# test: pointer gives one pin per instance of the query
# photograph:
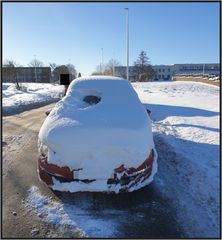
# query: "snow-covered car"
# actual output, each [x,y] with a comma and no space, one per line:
[97,138]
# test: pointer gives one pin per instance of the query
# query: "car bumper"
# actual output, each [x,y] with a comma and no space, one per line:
[124,179]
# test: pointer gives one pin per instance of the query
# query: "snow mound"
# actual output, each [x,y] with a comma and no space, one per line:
[31,95]
[98,137]
[186,132]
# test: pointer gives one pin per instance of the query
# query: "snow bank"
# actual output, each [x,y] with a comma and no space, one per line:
[216,79]
[186,133]
[31,95]
[98,138]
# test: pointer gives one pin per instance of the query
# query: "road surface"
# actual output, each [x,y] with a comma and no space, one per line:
[142,214]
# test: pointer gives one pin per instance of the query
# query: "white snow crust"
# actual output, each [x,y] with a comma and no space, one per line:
[68,217]
[185,121]
[31,95]
[186,133]
[98,138]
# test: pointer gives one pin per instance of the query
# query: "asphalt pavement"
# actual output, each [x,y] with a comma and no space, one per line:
[145,213]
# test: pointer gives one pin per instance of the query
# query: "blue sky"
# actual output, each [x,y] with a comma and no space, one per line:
[76,32]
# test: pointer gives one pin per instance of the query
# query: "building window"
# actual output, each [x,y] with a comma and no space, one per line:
[159,70]
[162,76]
[168,69]
[163,70]
[159,76]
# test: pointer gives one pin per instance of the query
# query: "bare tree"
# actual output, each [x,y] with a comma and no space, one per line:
[9,72]
[62,69]
[52,66]
[72,71]
[143,67]
[36,63]
[97,71]
[110,67]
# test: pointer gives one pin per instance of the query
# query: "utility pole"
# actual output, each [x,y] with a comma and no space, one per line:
[70,74]
[113,64]
[102,62]
[127,43]
[35,70]
[113,69]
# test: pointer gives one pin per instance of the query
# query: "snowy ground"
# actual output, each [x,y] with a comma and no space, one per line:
[186,133]
[69,216]
[31,95]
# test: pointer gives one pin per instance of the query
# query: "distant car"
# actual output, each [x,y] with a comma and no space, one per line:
[97,138]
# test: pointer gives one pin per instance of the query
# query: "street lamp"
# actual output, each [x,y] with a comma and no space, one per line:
[35,70]
[102,62]
[113,68]
[203,68]
[127,43]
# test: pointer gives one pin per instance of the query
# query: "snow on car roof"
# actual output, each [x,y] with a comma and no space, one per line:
[118,107]
[99,77]
[119,104]
[105,83]
[94,79]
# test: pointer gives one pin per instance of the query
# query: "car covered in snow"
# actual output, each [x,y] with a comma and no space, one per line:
[97,138]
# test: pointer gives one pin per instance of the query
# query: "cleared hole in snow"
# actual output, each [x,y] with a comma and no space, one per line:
[91,99]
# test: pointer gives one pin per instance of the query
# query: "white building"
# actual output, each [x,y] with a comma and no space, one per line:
[206,68]
[165,72]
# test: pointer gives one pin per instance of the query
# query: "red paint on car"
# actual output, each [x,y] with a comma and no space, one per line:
[147,163]
[47,170]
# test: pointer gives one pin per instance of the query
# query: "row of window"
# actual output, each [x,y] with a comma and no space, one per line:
[164,77]
[31,76]
[163,70]
[199,67]
[29,71]
[198,70]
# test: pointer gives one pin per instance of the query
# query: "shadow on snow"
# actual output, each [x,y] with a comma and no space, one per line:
[160,112]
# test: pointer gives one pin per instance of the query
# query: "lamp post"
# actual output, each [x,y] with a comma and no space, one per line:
[127,43]
[102,62]
[35,70]
[113,69]
[113,64]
